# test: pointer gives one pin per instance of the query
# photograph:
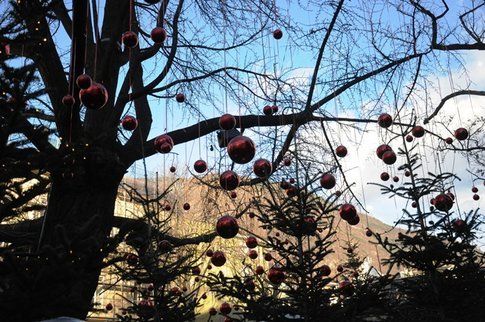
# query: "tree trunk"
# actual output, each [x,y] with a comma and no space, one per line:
[59,276]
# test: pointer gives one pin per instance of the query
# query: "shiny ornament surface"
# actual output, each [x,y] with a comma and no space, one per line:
[129,39]
[327,181]
[163,144]
[158,35]
[384,120]
[94,97]
[229,180]
[227,227]
[129,123]
[262,168]
[227,122]
[200,166]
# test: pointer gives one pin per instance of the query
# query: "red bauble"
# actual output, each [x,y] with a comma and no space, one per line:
[163,144]
[83,81]
[347,211]
[94,97]
[407,173]
[158,35]
[476,197]
[252,215]
[109,307]
[451,195]
[409,138]
[251,242]
[395,179]
[241,149]
[354,220]
[218,259]
[275,109]
[418,131]
[180,98]
[212,311]
[262,168]
[389,157]
[268,110]
[277,34]
[186,206]
[287,162]
[384,120]
[129,123]
[200,166]
[225,308]
[131,259]
[276,275]
[227,227]
[474,189]
[68,100]
[167,207]
[449,141]
[327,181]
[229,180]
[196,270]
[381,149]
[233,195]
[248,284]
[292,191]
[227,122]
[129,39]
[443,202]
[253,254]
[309,225]
[341,151]
[459,225]
[368,232]
[259,270]
[292,180]
[209,253]
[173,169]
[268,257]
[461,134]
[325,269]
[385,176]
[340,268]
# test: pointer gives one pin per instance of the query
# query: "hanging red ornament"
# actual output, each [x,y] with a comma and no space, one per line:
[252,215]
[476,197]
[407,173]
[381,149]
[284,184]
[158,35]
[251,242]
[325,269]
[395,179]
[212,311]
[347,211]
[252,254]
[180,98]
[340,268]
[461,134]
[227,227]
[241,149]
[109,307]
[309,225]
[385,176]
[227,122]
[474,189]
[292,180]
[129,123]
[341,151]
[83,81]
[451,195]
[268,110]
[200,166]
[384,120]
[268,257]
[354,220]
[327,181]
[443,202]
[275,109]
[94,97]
[418,131]
[292,191]
[225,308]
[276,275]
[233,194]
[368,232]
[262,168]
[218,258]
[68,100]
[287,161]
[414,204]
[449,141]
[129,39]
[259,270]
[163,144]
[229,180]
[389,157]
[173,169]
[409,138]
[459,225]
[248,284]
[277,34]
[209,253]
[186,206]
